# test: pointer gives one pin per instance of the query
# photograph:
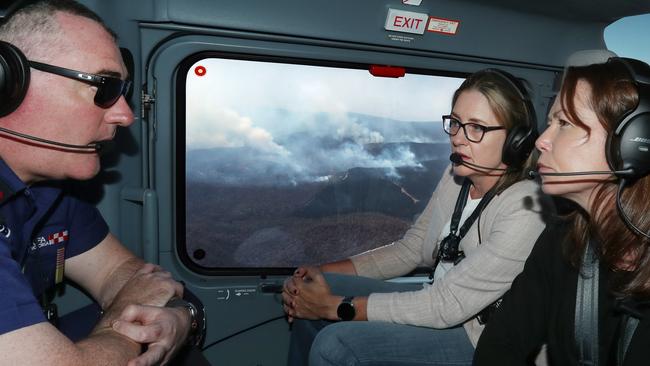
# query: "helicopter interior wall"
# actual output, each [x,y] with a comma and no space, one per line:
[492,32]
[139,177]
[261,306]
[479,43]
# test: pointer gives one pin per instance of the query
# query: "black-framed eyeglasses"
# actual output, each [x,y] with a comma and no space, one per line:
[473,131]
[109,89]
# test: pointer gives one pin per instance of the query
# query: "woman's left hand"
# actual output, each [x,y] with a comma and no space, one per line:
[307,295]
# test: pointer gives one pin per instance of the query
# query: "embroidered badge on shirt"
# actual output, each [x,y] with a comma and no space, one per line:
[60,265]
[57,238]
[54,239]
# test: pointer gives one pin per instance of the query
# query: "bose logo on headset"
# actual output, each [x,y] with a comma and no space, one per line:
[628,147]
[640,139]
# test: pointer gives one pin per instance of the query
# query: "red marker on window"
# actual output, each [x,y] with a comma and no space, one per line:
[200,71]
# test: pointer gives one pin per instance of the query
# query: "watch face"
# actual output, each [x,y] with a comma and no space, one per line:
[345,311]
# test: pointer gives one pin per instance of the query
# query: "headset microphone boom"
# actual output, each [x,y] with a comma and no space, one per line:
[100,147]
[457,159]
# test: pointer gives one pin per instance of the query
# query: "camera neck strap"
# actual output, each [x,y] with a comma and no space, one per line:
[461,201]
[477,211]
[456,234]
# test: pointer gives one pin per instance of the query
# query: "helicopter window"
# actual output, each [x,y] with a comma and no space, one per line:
[287,163]
[624,37]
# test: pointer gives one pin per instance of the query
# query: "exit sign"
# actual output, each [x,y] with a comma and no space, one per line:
[406,21]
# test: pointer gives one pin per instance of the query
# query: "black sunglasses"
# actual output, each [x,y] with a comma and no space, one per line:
[109,89]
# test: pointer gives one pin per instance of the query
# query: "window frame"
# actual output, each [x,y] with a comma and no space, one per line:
[179,185]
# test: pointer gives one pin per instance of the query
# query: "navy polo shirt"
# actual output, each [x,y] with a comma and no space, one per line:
[40,227]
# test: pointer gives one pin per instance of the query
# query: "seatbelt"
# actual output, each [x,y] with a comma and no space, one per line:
[586,311]
[629,324]
[586,315]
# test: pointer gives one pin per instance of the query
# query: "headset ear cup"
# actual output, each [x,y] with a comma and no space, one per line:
[518,145]
[628,145]
[14,78]
[612,151]
[520,141]
[628,149]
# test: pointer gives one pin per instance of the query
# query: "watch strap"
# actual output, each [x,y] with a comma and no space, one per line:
[197,320]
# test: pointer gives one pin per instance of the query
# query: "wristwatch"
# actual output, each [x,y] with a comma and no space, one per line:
[346,311]
[197,320]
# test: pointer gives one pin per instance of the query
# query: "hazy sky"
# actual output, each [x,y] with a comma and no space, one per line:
[256,101]
[310,88]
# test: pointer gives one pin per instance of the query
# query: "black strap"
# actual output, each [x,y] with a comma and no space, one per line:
[461,201]
[475,214]
[629,324]
[586,314]
[586,311]
[448,249]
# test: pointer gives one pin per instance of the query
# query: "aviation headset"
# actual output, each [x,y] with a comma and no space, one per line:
[628,146]
[520,140]
[14,78]
[14,68]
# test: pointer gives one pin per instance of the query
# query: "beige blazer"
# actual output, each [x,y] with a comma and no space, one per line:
[509,226]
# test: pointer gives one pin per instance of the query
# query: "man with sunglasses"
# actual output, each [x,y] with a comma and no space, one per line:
[67,101]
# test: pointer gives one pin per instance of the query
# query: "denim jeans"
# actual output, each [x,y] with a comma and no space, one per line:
[375,343]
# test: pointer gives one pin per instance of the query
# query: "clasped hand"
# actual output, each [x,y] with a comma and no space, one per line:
[138,312]
[307,295]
